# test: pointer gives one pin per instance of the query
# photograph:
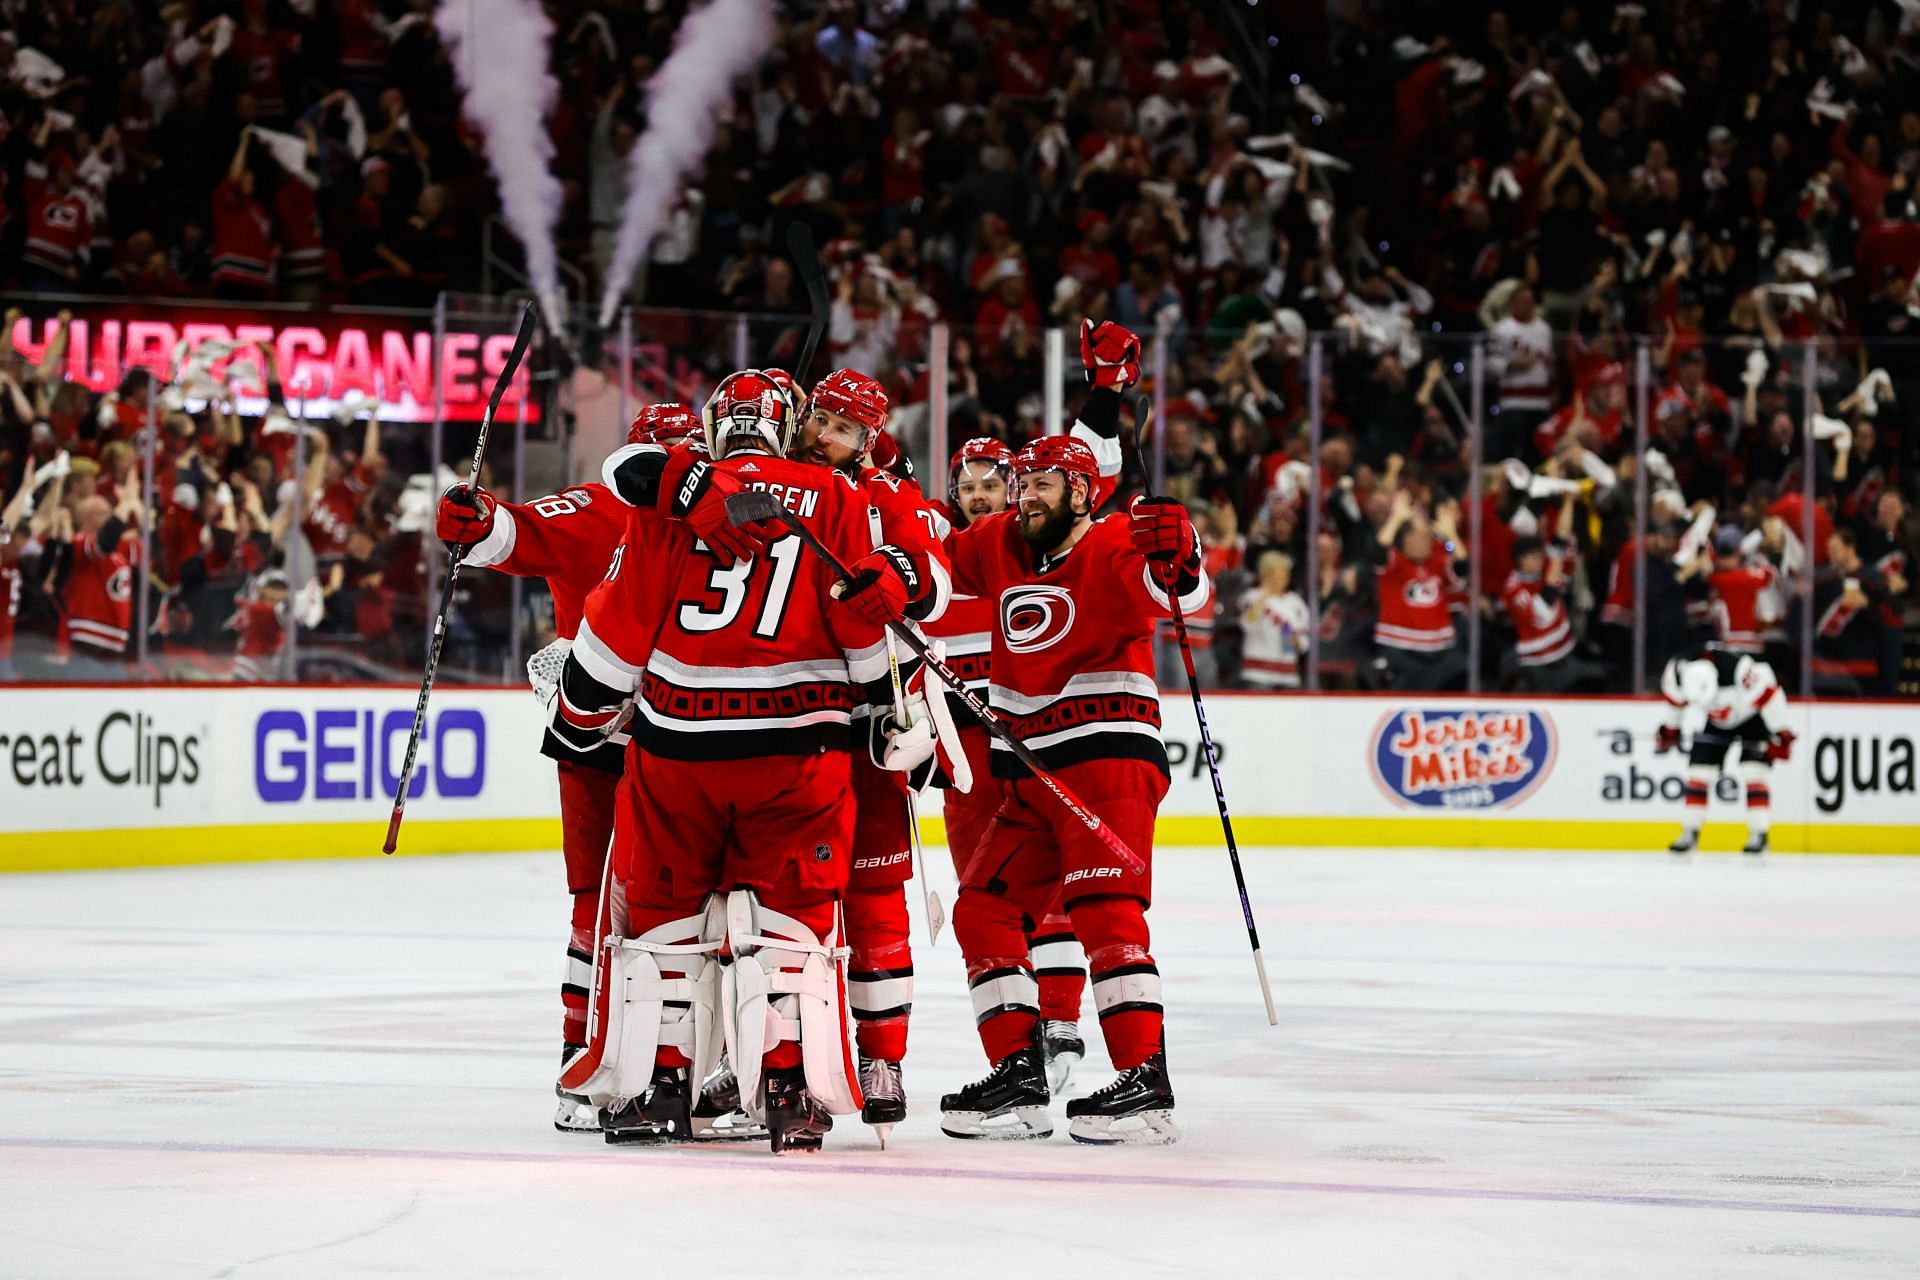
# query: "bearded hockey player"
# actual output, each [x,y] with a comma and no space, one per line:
[1718,700]
[567,538]
[732,833]
[1072,672]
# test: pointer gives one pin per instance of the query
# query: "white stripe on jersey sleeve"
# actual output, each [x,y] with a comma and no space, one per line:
[1106,449]
[1190,603]
[618,456]
[601,662]
[497,545]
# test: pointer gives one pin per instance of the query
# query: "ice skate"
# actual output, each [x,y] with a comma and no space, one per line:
[1016,1090]
[717,1114]
[886,1097]
[1684,843]
[1060,1041]
[659,1115]
[575,1114]
[1107,1116]
[1756,844]
[795,1119]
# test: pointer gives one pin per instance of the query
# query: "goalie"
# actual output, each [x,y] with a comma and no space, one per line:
[1719,700]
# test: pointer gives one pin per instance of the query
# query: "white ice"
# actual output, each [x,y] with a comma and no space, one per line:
[1488,1065]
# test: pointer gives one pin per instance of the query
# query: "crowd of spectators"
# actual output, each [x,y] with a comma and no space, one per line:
[1557,198]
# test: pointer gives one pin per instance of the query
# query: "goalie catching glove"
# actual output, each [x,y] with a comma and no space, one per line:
[927,748]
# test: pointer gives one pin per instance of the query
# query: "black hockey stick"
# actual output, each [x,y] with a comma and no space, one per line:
[454,559]
[806,260]
[753,507]
[1213,765]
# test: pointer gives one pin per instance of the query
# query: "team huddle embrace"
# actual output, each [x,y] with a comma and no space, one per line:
[774,646]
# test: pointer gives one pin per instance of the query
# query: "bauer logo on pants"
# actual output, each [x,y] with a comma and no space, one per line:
[1461,758]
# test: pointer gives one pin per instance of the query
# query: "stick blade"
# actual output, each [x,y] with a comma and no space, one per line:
[751,507]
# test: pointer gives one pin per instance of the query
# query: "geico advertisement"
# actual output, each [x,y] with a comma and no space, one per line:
[100,758]
[1450,759]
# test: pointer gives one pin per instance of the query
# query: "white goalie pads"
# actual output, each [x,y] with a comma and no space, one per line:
[786,984]
[930,732]
[544,667]
[636,1008]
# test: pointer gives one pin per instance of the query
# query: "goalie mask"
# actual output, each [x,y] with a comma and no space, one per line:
[749,403]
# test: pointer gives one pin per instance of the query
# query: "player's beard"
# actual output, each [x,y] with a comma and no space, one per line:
[1048,528]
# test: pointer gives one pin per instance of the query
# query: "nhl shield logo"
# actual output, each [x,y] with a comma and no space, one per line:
[1461,757]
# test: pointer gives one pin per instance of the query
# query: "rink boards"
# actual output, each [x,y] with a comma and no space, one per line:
[127,776]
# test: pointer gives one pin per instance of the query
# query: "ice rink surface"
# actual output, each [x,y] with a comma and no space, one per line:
[1488,1065]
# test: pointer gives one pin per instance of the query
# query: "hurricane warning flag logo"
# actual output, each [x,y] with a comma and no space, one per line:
[1033,618]
[1471,758]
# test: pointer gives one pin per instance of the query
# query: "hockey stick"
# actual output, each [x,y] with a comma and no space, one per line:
[930,900]
[754,506]
[806,260]
[454,559]
[1213,768]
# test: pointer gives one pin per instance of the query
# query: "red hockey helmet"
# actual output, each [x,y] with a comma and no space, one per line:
[667,424]
[994,453]
[853,395]
[1064,454]
[749,402]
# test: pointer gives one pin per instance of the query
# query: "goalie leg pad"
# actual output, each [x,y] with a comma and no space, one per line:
[787,985]
[656,996]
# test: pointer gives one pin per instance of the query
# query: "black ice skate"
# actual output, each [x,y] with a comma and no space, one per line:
[717,1114]
[795,1119]
[1142,1094]
[1756,843]
[1685,842]
[886,1097]
[1017,1088]
[575,1114]
[661,1114]
[1060,1041]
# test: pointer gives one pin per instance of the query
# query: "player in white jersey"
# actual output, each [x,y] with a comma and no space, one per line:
[1717,699]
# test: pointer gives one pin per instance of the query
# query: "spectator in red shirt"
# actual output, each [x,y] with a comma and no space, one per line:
[1417,586]
[242,234]
[59,230]
[1089,260]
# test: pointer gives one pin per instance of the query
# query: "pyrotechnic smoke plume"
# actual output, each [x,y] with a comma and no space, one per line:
[499,53]
[714,46]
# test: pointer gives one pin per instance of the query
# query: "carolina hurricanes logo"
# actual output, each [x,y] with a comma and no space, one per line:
[1422,592]
[120,585]
[61,215]
[1035,618]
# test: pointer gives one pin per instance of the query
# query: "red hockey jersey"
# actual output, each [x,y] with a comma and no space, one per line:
[568,538]
[331,519]
[1416,610]
[1736,606]
[1539,614]
[100,593]
[1072,664]
[9,605]
[740,662]
[59,229]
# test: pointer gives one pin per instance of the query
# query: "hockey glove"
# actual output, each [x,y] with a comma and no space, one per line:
[886,456]
[465,516]
[1111,354]
[693,490]
[1781,748]
[1666,738]
[1163,533]
[929,751]
[883,581]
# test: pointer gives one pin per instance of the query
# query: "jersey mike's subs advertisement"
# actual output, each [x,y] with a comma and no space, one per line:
[104,776]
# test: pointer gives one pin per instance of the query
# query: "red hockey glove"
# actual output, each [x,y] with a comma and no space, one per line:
[692,489]
[465,516]
[1163,532]
[1665,739]
[883,581]
[1781,748]
[1111,354]
[886,456]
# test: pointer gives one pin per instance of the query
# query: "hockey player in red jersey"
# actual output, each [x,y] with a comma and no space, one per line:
[1072,672]
[845,418]
[567,538]
[742,668]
